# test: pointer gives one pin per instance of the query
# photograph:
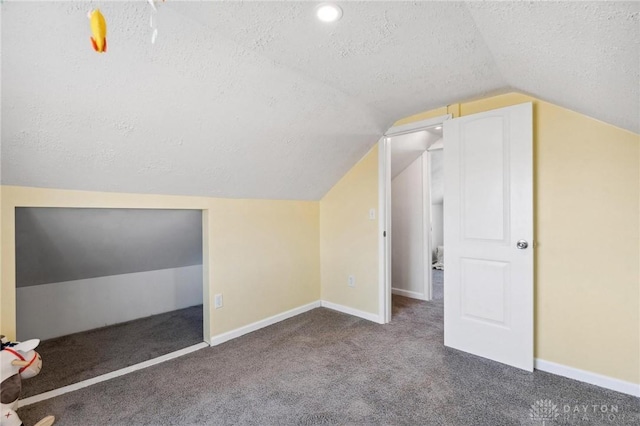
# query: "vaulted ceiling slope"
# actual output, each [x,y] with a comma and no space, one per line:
[261,100]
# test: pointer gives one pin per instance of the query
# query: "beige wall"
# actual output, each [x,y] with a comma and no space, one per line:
[265,258]
[262,255]
[349,239]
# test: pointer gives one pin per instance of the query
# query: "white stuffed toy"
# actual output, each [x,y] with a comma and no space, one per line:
[17,361]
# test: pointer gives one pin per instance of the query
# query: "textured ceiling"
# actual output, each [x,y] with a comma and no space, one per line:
[260,100]
[581,55]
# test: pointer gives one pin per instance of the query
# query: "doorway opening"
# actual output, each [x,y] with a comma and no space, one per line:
[488,294]
[105,289]
[416,215]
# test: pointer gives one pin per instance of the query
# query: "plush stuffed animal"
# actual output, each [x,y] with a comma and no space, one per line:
[18,360]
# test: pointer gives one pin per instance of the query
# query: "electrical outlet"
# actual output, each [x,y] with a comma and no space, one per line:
[217,303]
[352,281]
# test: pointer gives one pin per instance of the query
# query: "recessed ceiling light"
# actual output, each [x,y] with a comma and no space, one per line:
[328,12]
[439,127]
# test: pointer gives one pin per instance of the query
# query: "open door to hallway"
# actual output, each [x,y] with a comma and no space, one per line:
[488,221]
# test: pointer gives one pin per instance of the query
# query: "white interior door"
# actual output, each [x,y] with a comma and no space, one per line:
[488,221]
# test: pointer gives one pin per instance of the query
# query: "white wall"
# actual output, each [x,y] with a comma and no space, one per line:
[407,216]
[437,226]
[436,181]
[406,148]
[57,309]
[436,174]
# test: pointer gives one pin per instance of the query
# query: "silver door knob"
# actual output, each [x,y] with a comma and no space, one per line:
[522,244]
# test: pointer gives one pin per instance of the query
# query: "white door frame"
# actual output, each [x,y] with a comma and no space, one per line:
[384,210]
[427,218]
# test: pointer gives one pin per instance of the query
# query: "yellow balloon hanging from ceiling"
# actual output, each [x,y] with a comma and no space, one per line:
[98,30]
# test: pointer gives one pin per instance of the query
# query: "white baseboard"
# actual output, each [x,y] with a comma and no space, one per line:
[407,293]
[224,337]
[229,335]
[108,376]
[588,377]
[351,311]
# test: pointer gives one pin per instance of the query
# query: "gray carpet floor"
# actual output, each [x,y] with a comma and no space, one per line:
[80,356]
[325,367]
[437,284]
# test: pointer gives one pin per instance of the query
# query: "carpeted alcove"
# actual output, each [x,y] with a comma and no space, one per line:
[104,289]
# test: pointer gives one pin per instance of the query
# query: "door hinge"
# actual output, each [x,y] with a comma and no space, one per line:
[384,233]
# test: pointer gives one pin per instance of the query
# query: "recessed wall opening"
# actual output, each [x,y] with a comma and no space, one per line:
[106,288]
